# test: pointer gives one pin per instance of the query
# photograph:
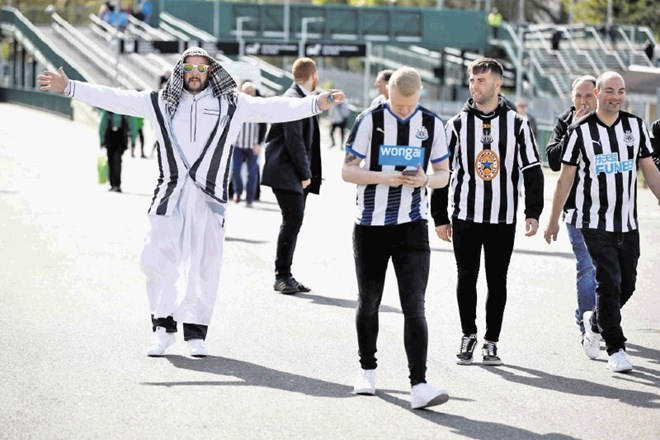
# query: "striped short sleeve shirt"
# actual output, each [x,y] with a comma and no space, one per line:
[386,143]
[488,154]
[606,178]
[248,136]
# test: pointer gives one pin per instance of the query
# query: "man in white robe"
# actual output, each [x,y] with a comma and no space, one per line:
[196,117]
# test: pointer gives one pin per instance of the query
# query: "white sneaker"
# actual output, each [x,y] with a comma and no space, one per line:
[424,395]
[365,383]
[161,341]
[619,362]
[197,348]
[591,340]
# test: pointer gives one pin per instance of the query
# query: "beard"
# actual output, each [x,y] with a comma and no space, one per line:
[195,84]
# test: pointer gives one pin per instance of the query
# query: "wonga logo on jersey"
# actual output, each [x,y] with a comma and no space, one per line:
[400,155]
[610,164]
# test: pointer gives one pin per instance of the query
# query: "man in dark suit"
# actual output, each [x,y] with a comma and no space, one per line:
[293,170]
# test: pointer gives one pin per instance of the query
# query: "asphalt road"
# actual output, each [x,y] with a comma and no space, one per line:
[74,323]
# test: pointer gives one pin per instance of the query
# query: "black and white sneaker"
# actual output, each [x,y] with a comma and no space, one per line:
[467,349]
[489,352]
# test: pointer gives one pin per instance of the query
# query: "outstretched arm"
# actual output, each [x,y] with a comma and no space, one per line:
[125,102]
[284,109]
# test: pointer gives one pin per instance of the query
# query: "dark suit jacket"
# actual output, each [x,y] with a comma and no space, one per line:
[655,142]
[293,152]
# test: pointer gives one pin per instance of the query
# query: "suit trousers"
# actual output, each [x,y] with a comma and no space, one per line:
[292,205]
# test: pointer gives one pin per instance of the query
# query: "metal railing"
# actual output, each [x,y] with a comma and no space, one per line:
[15,22]
[97,57]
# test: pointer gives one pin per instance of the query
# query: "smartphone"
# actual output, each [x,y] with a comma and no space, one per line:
[410,172]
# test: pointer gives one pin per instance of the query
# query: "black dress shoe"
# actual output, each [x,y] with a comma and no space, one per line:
[285,286]
[301,287]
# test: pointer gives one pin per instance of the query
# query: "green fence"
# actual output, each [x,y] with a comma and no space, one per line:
[428,27]
[13,22]
[58,104]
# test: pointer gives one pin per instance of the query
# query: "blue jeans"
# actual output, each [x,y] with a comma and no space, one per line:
[586,275]
[407,245]
[615,256]
[245,155]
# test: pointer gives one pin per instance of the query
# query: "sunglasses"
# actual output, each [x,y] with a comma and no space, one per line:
[201,68]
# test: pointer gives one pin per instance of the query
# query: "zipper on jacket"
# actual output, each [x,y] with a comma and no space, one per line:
[193,120]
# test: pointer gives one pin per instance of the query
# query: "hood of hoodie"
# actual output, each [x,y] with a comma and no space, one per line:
[471,107]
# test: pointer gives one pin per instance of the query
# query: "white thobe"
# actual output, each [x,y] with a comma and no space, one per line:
[182,256]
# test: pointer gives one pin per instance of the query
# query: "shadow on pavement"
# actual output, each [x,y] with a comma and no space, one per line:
[246,240]
[645,352]
[249,374]
[579,387]
[345,303]
[473,429]
[568,255]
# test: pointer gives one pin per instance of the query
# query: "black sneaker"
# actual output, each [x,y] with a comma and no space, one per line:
[489,352]
[301,287]
[467,349]
[285,286]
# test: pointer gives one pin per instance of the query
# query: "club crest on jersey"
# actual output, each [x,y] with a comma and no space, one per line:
[422,134]
[628,138]
[486,139]
[487,165]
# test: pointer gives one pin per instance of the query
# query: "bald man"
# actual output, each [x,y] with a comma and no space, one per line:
[603,153]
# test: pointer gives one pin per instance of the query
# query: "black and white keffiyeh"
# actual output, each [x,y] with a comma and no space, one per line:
[220,80]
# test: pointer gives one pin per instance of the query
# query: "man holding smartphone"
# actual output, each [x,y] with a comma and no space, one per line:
[387,153]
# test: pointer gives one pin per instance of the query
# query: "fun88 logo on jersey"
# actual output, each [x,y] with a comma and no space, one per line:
[400,155]
[610,164]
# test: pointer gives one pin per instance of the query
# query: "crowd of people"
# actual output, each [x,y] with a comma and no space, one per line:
[401,157]
[112,13]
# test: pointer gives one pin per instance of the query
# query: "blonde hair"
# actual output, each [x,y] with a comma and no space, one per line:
[406,81]
[303,69]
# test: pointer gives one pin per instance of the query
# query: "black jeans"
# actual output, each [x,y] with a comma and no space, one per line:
[292,205]
[497,242]
[190,331]
[615,256]
[408,247]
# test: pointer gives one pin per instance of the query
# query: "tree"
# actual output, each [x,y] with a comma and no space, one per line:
[633,12]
